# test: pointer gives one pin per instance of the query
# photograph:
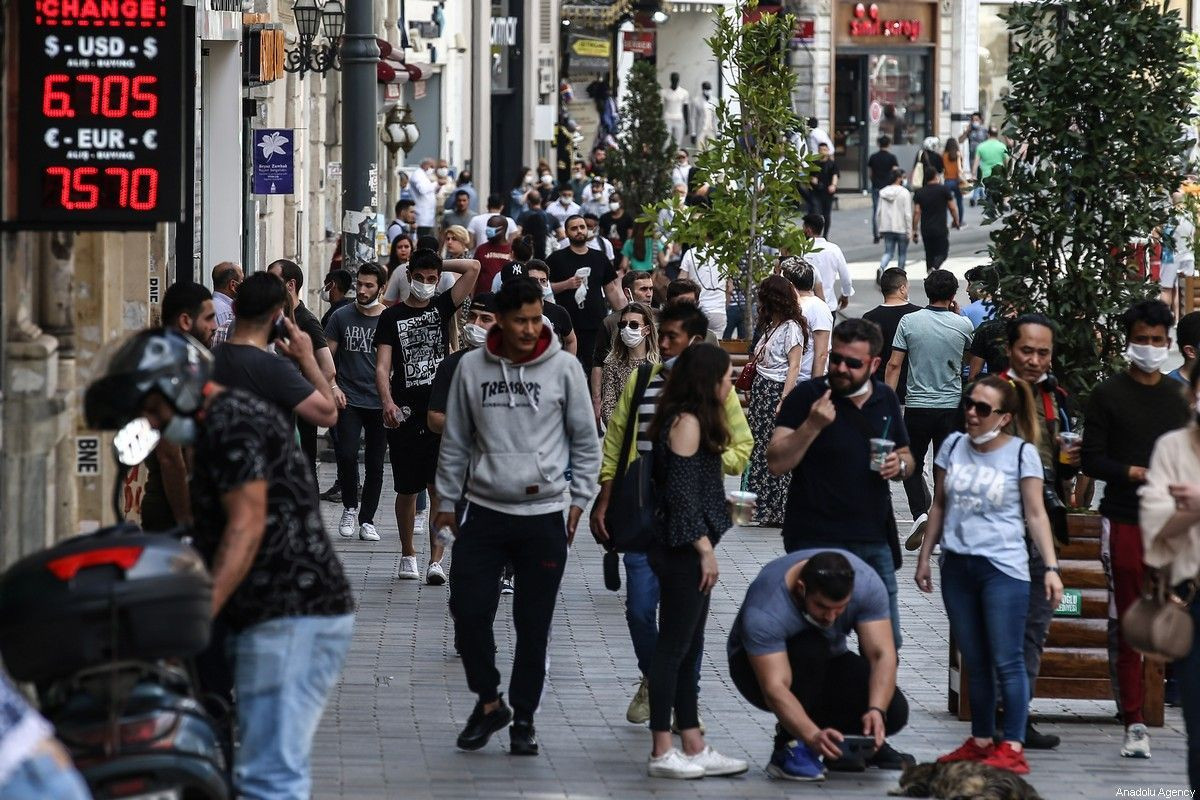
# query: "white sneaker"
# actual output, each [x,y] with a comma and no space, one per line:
[408,569]
[916,534]
[434,574]
[1137,742]
[717,765]
[348,522]
[674,764]
[367,532]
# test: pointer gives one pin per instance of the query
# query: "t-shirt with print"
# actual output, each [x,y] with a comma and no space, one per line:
[267,375]
[295,571]
[563,266]
[819,318]
[984,513]
[418,338]
[354,334]
[934,340]
[491,258]
[770,615]
[772,361]
[615,229]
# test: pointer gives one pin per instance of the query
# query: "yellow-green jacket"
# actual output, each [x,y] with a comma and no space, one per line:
[733,460]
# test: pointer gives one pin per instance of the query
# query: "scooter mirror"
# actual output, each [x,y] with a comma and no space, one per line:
[134,442]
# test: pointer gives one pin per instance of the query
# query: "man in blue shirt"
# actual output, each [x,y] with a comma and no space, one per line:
[1188,335]
[980,309]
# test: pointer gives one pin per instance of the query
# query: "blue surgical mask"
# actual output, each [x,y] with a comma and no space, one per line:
[490,232]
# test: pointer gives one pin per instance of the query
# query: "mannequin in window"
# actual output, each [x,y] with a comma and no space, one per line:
[706,117]
[676,112]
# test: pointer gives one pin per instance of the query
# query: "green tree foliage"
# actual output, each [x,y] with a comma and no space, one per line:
[1101,90]
[640,166]
[752,168]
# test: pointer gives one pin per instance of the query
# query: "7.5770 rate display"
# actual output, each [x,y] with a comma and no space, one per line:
[100,108]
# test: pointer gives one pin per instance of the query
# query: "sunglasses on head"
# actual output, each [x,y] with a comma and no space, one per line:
[981,409]
[852,363]
[629,323]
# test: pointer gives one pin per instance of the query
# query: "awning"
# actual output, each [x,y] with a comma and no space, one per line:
[601,12]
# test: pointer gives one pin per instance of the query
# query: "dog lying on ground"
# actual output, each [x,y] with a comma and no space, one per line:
[963,780]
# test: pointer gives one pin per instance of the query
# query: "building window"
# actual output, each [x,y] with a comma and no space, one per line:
[994,43]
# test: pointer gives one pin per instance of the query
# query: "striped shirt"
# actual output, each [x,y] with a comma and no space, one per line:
[646,409]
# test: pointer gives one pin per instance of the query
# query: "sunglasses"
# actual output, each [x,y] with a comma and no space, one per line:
[629,323]
[852,363]
[981,409]
[840,574]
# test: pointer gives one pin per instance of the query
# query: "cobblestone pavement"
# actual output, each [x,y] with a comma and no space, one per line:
[390,726]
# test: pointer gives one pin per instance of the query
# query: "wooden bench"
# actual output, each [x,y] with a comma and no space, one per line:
[1191,294]
[1075,660]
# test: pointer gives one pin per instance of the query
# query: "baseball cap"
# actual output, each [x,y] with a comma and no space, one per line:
[485,301]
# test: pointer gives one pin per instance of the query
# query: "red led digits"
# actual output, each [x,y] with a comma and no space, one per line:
[56,103]
[140,84]
[83,189]
[109,97]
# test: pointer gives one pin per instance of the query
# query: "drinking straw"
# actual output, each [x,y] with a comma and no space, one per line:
[887,423]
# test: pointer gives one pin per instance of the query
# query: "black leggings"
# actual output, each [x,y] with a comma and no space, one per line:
[352,422]
[834,689]
[682,612]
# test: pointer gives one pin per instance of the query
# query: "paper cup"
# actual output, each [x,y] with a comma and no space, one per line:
[880,450]
[741,506]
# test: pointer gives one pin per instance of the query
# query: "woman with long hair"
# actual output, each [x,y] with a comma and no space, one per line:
[1170,517]
[779,355]
[689,434]
[635,342]
[954,168]
[643,250]
[987,494]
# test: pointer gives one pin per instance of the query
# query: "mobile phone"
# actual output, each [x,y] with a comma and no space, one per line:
[278,331]
[853,746]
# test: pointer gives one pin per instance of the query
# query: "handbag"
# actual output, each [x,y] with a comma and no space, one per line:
[629,517]
[745,379]
[1056,509]
[1159,623]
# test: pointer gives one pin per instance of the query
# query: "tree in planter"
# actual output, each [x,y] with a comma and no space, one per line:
[752,167]
[640,165]
[1100,91]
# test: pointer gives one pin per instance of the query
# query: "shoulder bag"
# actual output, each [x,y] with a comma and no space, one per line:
[1159,623]
[630,514]
[745,379]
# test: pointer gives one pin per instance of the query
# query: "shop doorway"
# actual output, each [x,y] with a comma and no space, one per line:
[879,93]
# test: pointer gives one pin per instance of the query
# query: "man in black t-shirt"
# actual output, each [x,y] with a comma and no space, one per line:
[553,314]
[278,585]
[880,164]
[930,204]
[616,223]
[588,317]
[894,285]
[824,185]
[411,340]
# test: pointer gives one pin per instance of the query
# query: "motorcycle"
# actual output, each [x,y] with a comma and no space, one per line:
[105,625]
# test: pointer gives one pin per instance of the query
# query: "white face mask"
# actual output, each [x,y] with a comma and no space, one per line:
[631,337]
[613,206]
[566,201]
[325,295]
[423,291]
[442,172]
[476,334]
[547,293]
[984,438]
[1147,357]
[374,303]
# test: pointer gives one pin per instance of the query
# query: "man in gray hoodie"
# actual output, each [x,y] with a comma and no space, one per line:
[518,414]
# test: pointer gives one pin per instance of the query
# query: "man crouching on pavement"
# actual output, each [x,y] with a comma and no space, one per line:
[518,413]
[788,655]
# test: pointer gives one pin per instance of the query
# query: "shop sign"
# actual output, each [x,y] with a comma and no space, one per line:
[1071,604]
[639,43]
[868,21]
[95,103]
[263,52]
[590,48]
[274,167]
[805,32]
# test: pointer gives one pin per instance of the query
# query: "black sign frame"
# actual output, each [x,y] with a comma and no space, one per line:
[94,117]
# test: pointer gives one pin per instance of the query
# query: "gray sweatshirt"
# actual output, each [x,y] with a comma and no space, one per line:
[518,426]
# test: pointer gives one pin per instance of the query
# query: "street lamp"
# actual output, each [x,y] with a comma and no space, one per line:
[310,18]
[400,130]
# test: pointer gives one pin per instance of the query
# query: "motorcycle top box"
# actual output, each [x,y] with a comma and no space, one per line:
[115,594]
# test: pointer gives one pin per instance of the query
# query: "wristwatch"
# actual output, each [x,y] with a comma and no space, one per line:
[903,469]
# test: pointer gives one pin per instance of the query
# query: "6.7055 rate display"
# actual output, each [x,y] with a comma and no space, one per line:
[100,103]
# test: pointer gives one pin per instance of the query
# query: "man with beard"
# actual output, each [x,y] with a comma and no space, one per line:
[838,497]
[587,315]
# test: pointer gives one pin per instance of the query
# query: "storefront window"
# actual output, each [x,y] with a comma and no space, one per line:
[993,63]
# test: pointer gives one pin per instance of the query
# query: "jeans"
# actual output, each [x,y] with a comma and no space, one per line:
[42,776]
[1187,672]
[537,548]
[641,611]
[353,422]
[987,610]
[1121,555]
[735,322]
[937,249]
[952,184]
[896,243]
[284,670]
[683,610]
[925,426]
[834,689]
[1041,613]
[874,210]
[879,556]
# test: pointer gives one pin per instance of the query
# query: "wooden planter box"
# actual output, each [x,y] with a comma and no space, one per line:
[1075,659]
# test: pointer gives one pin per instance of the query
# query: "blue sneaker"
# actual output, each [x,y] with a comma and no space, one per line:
[795,763]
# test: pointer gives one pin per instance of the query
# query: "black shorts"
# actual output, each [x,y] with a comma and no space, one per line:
[414,452]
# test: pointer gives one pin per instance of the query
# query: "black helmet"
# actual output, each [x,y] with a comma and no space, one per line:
[155,360]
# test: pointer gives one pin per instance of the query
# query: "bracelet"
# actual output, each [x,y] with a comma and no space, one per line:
[1056,568]
[882,713]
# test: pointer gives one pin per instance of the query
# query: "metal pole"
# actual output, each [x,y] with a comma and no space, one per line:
[360,177]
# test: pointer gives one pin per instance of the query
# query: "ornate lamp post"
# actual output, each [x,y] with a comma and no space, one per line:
[310,19]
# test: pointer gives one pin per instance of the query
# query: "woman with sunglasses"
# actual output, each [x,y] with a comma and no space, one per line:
[987,491]
[635,342]
[779,355]
[689,434]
